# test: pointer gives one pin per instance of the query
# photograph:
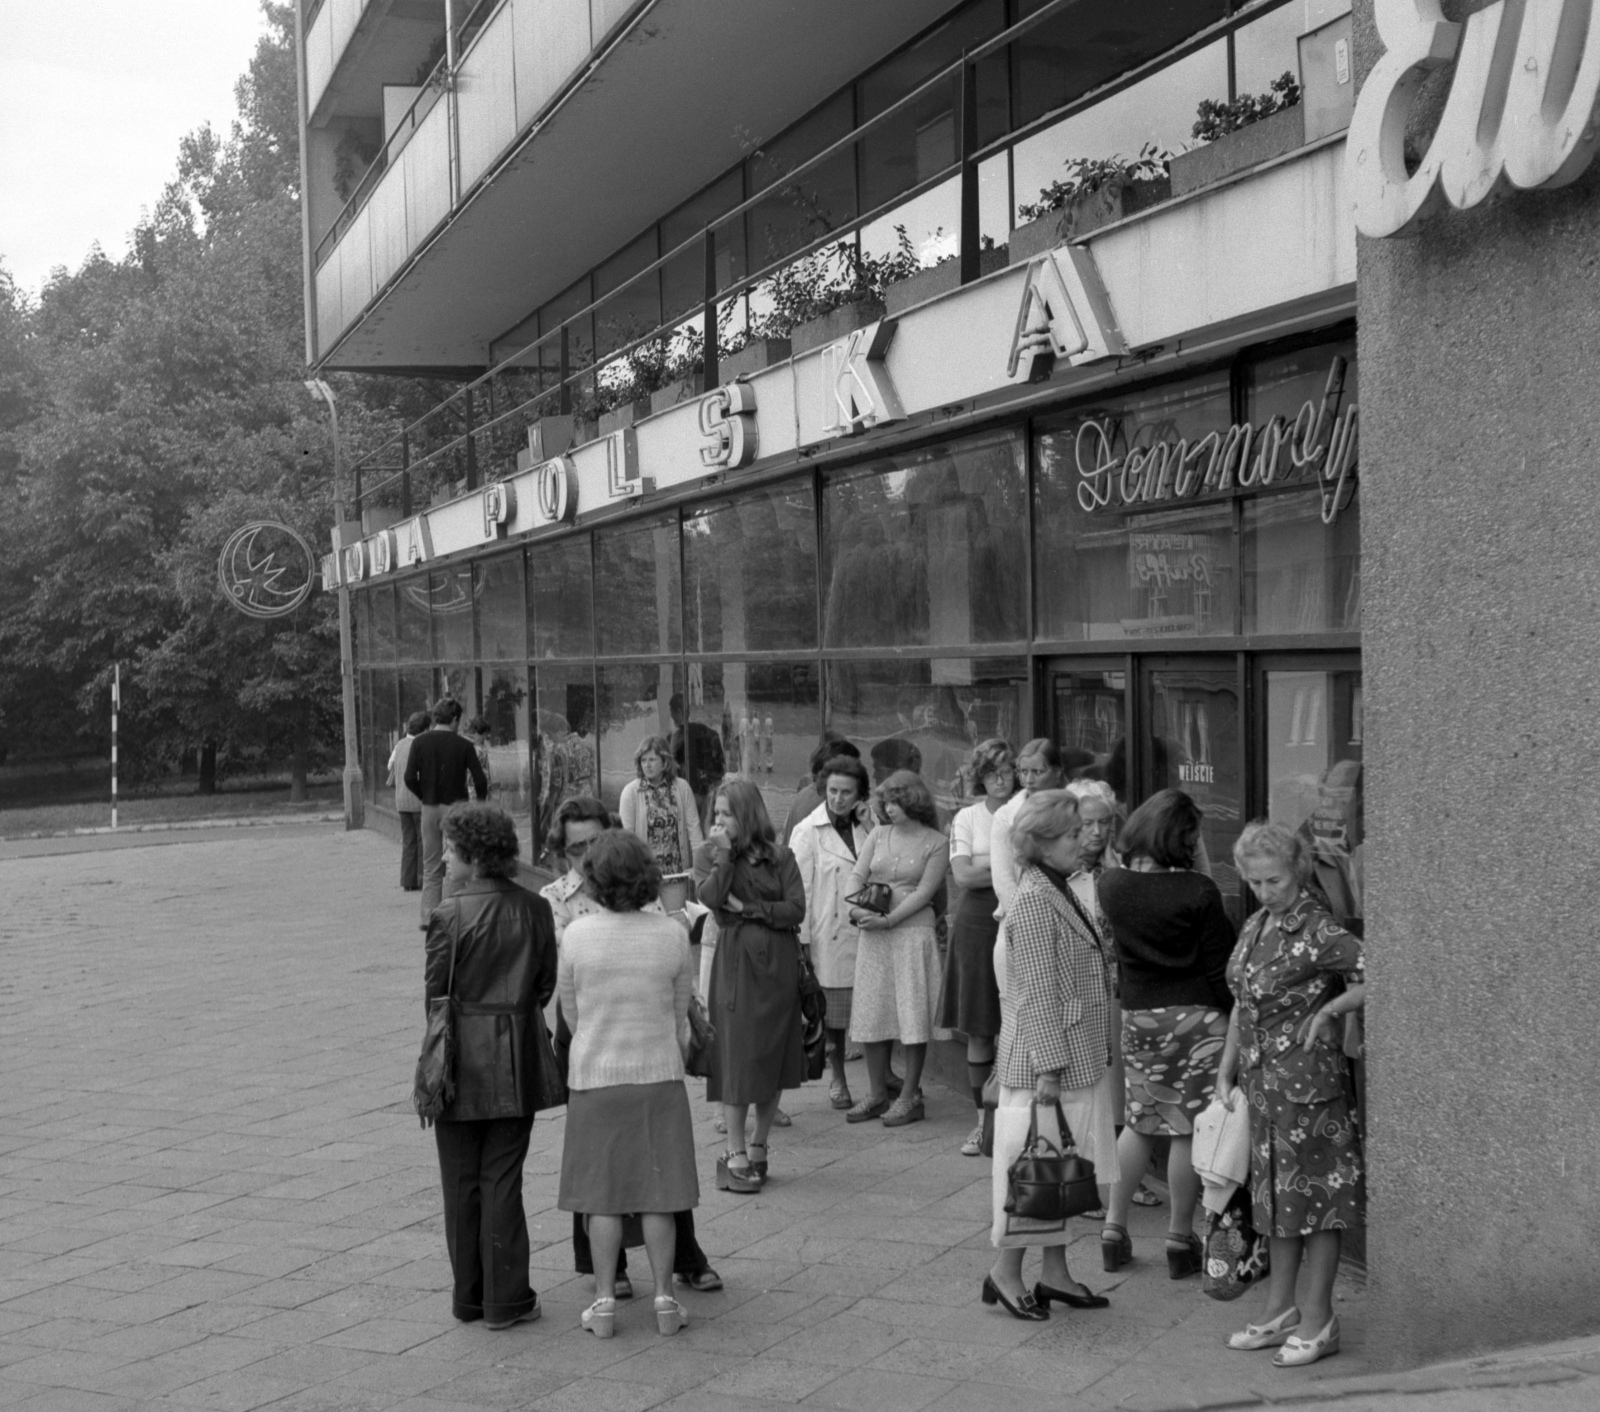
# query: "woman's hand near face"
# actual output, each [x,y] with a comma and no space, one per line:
[719,838]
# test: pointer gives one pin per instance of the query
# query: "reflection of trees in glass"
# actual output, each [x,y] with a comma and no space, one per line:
[637,589]
[750,569]
[563,743]
[927,548]
[560,589]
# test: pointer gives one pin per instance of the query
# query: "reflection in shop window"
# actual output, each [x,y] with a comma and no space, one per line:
[756,721]
[1301,575]
[361,611]
[635,702]
[637,589]
[411,597]
[926,715]
[450,597]
[381,601]
[416,691]
[561,598]
[385,728]
[926,549]
[750,573]
[1090,726]
[565,759]
[502,622]
[503,706]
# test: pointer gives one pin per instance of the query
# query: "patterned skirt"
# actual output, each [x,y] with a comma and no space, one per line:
[1307,1173]
[1171,1058]
[897,985]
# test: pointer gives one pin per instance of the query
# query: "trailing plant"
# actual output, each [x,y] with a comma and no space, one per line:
[829,279]
[1087,175]
[1216,120]
[351,158]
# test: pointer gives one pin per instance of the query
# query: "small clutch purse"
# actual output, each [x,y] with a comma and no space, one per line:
[873,897]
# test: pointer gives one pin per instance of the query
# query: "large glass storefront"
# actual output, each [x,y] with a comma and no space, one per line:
[1175,600]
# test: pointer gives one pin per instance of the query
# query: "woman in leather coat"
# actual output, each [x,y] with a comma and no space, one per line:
[491,946]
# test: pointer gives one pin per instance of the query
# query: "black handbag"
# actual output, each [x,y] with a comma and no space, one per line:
[702,1037]
[552,1075]
[1045,1183]
[434,1084]
[813,1017]
[873,897]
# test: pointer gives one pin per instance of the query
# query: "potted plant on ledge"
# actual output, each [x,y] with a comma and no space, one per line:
[1096,192]
[1242,134]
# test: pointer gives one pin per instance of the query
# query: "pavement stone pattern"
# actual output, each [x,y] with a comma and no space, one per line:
[214,1194]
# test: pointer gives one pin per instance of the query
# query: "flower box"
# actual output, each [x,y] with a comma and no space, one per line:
[623,415]
[1239,151]
[1114,201]
[834,325]
[936,280]
[757,354]
[682,390]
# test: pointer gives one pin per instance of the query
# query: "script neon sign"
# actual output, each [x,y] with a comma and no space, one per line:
[1320,438]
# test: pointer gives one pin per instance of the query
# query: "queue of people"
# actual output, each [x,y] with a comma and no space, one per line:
[1090,965]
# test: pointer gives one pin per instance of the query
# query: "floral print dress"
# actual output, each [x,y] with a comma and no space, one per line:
[1306,1168]
[662,825]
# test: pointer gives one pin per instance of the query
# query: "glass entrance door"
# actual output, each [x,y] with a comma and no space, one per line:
[1088,720]
[1192,741]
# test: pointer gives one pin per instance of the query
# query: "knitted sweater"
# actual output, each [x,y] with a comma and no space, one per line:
[624,981]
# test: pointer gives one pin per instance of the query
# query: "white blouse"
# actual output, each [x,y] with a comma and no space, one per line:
[970,832]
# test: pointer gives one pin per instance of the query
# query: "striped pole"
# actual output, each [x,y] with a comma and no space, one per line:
[116,702]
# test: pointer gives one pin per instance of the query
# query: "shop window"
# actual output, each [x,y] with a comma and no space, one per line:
[1323,375]
[683,280]
[450,598]
[1159,111]
[502,607]
[380,601]
[1315,730]
[635,311]
[637,590]
[926,549]
[635,703]
[383,729]
[366,746]
[460,680]
[1149,574]
[818,202]
[1301,575]
[755,721]
[503,705]
[1089,722]
[750,573]
[921,140]
[415,641]
[416,691]
[926,716]
[561,598]
[565,759]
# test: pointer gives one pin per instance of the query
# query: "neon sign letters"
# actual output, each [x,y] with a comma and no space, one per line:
[1321,438]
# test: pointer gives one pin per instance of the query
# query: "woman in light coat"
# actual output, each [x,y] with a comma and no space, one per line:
[658,806]
[826,844]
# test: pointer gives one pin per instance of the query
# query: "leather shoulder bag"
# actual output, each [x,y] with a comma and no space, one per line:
[434,1085]
[1046,1183]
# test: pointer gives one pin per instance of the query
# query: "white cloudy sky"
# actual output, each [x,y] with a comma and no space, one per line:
[94,96]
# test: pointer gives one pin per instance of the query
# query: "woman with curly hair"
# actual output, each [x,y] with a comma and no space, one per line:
[659,807]
[625,982]
[491,946]
[1295,974]
[897,959]
[755,892]
[970,1001]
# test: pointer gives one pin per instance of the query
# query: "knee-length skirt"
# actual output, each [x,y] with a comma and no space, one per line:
[755,1008]
[970,999]
[897,985]
[1170,1058]
[1307,1170]
[1092,1119]
[629,1148]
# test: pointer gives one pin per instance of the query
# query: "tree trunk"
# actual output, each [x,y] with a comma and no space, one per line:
[299,755]
[208,768]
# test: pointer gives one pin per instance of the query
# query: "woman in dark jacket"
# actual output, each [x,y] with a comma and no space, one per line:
[1173,940]
[759,900]
[491,946]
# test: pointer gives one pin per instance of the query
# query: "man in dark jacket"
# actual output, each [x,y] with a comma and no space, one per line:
[437,770]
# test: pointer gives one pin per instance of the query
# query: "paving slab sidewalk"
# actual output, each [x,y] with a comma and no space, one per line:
[213,1194]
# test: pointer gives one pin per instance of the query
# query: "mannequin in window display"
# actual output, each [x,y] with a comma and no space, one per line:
[1338,844]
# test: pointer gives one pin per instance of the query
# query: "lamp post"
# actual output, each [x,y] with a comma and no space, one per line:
[355,803]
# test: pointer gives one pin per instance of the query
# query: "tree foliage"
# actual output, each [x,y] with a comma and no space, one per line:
[148,407]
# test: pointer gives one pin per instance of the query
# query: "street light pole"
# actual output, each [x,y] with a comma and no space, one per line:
[355,803]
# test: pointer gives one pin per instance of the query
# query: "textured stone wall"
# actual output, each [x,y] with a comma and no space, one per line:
[1480,440]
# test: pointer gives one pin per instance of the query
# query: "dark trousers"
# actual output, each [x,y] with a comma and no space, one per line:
[688,1259]
[410,850]
[485,1226]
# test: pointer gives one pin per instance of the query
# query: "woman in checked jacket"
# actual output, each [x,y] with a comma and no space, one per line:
[1055,1046]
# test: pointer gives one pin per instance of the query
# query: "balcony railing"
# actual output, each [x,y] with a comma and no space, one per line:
[970,154]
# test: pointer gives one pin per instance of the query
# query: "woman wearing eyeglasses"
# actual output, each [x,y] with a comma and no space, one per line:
[577,824]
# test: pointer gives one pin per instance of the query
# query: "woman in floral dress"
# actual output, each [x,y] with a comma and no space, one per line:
[1294,974]
[659,807]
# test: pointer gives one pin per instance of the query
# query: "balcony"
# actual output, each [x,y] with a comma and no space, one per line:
[557,107]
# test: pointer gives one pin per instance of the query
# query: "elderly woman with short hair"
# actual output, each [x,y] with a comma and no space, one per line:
[1055,1044]
[1295,973]
[624,979]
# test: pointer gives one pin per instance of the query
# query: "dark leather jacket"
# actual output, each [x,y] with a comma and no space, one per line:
[505,970]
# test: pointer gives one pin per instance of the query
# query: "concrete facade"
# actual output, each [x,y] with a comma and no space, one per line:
[1481,430]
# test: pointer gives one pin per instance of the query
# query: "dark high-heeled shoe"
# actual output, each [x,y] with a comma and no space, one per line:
[1025,1308]
[739,1180]
[1047,1295]
[759,1168]
[1115,1250]
[1186,1259]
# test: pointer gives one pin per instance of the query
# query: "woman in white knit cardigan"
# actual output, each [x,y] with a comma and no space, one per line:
[624,980]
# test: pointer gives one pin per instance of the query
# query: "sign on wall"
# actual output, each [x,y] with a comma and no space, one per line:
[266,569]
